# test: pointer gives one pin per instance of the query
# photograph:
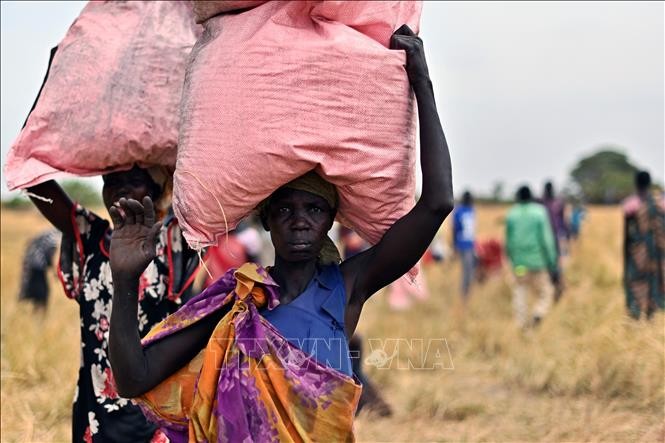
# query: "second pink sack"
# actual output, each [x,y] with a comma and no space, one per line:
[286,87]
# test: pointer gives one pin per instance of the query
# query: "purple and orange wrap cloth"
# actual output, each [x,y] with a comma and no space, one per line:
[249,383]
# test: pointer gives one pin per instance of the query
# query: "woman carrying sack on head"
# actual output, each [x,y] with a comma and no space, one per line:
[262,354]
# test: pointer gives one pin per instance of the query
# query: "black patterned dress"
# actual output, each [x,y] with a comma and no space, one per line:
[99,414]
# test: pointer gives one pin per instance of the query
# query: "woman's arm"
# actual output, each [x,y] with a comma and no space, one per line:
[58,210]
[137,370]
[406,241]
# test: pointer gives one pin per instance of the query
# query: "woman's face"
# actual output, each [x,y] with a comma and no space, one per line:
[298,222]
[135,183]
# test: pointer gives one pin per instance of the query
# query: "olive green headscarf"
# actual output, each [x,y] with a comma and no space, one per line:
[313,183]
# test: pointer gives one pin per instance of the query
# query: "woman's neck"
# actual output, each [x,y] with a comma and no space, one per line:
[292,277]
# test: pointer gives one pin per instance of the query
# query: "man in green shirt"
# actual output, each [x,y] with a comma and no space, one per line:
[532,252]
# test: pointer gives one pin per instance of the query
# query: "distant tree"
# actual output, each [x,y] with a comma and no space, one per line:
[605,177]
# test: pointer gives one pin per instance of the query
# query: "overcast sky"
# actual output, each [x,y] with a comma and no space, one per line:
[523,89]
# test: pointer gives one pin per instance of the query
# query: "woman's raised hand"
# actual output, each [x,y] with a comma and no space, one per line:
[416,65]
[134,239]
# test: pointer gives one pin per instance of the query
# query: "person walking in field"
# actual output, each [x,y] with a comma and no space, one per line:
[464,235]
[577,216]
[36,262]
[644,249]
[530,247]
[556,209]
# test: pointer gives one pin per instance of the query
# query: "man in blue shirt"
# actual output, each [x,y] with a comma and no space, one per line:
[464,233]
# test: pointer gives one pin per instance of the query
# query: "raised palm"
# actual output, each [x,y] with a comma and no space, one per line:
[133,243]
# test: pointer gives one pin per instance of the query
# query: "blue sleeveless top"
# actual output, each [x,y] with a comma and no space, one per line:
[314,321]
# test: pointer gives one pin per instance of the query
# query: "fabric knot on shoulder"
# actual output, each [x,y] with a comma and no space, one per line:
[254,284]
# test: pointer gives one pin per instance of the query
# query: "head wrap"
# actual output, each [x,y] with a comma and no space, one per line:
[314,184]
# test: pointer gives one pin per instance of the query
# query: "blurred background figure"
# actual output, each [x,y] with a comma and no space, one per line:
[577,214]
[644,249]
[402,292]
[464,234]
[228,253]
[436,253]
[36,262]
[250,237]
[352,243]
[556,210]
[530,246]
[489,258]
[243,244]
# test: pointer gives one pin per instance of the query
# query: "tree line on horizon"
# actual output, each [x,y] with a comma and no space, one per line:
[605,177]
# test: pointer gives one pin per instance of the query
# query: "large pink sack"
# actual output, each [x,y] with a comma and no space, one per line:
[287,87]
[112,94]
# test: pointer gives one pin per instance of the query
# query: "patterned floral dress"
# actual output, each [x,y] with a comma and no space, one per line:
[99,414]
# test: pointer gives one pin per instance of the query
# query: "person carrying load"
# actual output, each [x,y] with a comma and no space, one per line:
[262,354]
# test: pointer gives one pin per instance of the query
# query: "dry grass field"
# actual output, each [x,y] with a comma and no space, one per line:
[587,374]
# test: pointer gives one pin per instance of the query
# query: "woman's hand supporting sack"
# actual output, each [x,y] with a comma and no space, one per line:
[406,241]
[416,65]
